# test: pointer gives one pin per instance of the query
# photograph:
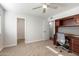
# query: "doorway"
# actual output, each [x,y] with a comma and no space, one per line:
[51,29]
[20,31]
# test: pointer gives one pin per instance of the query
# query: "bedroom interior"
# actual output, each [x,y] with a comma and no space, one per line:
[43,29]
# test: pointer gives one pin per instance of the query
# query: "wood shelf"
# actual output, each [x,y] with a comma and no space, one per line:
[70,21]
[71,26]
[68,34]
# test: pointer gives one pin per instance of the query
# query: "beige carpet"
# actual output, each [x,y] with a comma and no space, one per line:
[42,48]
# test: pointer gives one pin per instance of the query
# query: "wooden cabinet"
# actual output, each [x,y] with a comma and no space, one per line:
[76,19]
[57,22]
[70,21]
[75,45]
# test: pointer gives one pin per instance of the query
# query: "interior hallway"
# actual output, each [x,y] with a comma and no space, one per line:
[41,48]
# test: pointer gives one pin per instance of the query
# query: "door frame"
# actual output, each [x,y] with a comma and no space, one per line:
[24,27]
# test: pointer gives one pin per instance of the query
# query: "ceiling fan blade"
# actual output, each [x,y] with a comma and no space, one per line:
[52,7]
[37,7]
[44,10]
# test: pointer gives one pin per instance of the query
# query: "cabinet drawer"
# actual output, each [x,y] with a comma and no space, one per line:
[76,40]
[76,52]
[75,48]
[75,44]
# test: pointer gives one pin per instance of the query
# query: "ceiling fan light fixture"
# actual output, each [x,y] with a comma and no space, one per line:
[45,6]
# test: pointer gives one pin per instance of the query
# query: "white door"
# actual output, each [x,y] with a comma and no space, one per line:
[45,30]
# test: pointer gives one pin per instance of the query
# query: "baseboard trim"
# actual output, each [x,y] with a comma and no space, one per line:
[27,42]
[11,45]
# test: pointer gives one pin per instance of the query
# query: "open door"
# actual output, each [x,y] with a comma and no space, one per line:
[20,30]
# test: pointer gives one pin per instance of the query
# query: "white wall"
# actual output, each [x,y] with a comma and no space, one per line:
[33,28]
[45,30]
[2,12]
[67,13]
[10,29]
[71,30]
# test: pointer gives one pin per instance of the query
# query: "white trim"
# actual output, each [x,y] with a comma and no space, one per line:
[10,45]
[27,42]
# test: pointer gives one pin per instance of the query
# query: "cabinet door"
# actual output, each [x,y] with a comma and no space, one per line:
[76,19]
[75,45]
[57,23]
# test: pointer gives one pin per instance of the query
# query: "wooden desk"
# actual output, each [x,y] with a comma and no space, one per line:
[73,42]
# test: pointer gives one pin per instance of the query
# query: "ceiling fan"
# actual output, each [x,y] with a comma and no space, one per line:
[45,6]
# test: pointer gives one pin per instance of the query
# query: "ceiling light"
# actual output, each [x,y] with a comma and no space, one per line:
[45,6]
